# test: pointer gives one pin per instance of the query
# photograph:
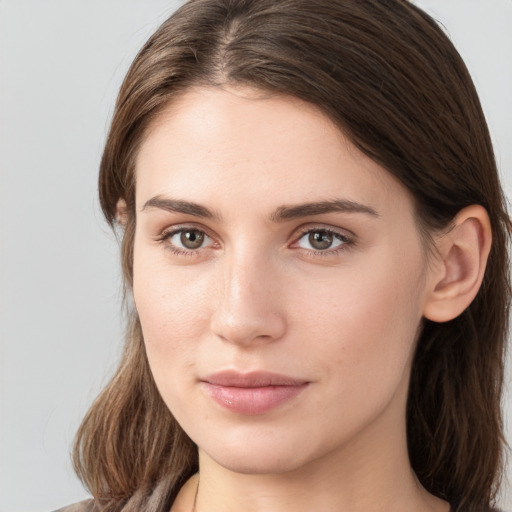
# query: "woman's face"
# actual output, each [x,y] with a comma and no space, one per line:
[280,281]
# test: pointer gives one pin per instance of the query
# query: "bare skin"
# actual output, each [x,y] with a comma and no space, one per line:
[266,242]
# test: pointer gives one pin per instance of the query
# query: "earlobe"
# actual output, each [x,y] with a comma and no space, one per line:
[459,271]
[121,212]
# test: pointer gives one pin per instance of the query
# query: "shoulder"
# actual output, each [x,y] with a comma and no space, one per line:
[81,506]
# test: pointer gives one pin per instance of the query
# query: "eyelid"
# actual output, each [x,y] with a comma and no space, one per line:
[176,228]
[347,236]
[170,231]
[307,228]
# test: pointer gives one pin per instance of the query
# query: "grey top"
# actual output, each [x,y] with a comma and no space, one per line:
[81,506]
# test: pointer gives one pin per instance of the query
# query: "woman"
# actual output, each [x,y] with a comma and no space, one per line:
[315,240]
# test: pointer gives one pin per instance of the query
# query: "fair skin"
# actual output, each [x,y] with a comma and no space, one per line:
[266,242]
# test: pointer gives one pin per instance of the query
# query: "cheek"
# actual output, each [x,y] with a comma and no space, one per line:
[172,308]
[365,322]
[172,315]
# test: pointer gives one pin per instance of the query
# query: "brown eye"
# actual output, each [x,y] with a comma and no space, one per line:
[191,239]
[323,240]
[320,240]
[187,241]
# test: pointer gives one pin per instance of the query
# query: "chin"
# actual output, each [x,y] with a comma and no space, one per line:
[259,454]
[257,464]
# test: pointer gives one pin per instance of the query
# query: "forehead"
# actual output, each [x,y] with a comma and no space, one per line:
[222,145]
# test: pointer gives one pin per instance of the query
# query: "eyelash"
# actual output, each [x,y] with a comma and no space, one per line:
[167,235]
[346,241]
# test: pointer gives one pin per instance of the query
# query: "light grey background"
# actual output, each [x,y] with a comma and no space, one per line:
[61,63]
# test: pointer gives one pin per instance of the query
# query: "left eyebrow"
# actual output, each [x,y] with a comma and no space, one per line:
[284,213]
[179,206]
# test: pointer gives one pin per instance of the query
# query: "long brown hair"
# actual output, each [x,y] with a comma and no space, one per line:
[397,88]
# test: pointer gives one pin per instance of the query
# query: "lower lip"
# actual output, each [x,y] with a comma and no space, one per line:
[252,401]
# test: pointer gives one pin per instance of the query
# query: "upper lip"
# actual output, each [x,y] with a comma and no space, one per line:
[255,379]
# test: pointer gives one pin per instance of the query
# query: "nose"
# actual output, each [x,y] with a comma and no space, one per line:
[250,309]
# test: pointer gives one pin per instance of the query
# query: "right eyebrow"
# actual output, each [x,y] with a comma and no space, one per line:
[179,206]
[285,213]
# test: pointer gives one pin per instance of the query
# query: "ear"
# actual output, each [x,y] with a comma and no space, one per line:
[459,269]
[121,212]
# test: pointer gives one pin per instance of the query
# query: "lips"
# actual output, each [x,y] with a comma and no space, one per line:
[252,393]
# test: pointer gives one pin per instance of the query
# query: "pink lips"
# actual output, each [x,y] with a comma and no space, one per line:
[251,393]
